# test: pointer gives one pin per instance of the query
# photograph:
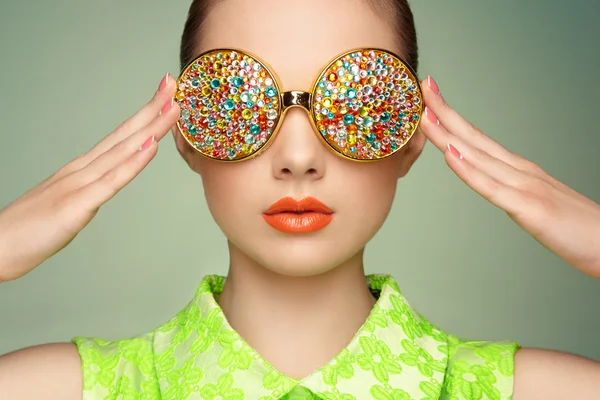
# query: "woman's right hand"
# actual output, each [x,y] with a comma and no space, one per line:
[48,217]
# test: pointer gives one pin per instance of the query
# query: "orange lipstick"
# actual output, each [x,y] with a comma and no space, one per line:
[298,216]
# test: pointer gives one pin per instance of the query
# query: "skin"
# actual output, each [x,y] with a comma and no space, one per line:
[543,207]
[315,278]
[312,277]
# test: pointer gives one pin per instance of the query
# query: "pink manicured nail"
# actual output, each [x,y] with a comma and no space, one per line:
[167,107]
[147,143]
[164,82]
[431,116]
[454,152]
[433,85]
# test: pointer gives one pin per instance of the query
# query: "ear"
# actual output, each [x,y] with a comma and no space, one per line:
[189,155]
[413,150]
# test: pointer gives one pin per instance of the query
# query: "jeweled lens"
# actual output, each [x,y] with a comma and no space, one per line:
[367,104]
[230,105]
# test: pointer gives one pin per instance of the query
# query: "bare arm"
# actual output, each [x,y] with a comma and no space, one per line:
[552,375]
[49,372]
[46,219]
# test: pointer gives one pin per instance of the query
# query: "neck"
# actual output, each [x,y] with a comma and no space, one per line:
[295,323]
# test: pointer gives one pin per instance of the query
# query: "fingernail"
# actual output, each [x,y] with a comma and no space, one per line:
[167,107]
[431,116]
[147,143]
[432,84]
[454,152]
[164,82]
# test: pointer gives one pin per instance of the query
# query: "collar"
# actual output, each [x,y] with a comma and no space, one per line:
[396,353]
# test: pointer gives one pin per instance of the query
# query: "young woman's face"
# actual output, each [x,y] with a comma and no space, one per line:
[297,39]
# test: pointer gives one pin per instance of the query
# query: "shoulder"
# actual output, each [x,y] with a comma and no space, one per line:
[548,375]
[480,369]
[55,368]
[131,367]
[117,367]
[503,370]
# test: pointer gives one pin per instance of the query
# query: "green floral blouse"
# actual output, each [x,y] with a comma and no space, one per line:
[396,355]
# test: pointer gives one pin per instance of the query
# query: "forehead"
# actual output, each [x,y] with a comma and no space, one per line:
[296,37]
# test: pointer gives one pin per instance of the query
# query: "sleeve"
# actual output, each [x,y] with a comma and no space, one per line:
[119,369]
[480,370]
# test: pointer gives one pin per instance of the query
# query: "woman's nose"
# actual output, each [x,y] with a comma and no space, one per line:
[297,151]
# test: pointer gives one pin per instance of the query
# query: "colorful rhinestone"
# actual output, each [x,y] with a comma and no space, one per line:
[381,99]
[365,105]
[237,94]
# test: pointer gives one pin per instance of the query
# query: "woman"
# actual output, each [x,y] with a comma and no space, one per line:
[311,328]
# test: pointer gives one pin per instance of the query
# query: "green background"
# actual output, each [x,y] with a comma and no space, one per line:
[524,72]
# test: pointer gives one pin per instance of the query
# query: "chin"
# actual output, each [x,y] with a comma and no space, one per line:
[303,255]
[299,255]
[300,265]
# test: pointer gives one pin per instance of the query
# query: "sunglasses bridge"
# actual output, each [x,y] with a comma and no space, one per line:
[295,98]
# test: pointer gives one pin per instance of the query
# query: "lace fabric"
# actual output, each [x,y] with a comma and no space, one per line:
[396,354]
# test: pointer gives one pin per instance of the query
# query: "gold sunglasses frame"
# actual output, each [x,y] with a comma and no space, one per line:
[297,98]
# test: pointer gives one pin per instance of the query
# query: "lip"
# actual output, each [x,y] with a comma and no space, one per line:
[288,215]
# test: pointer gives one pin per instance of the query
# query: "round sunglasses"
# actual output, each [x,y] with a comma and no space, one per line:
[365,105]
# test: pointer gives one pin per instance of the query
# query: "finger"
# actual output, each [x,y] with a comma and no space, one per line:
[93,195]
[141,118]
[120,152]
[499,194]
[137,121]
[458,126]
[491,166]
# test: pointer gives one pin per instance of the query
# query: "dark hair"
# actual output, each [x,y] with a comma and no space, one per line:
[399,10]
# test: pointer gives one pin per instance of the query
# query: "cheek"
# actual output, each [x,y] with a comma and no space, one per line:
[230,191]
[369,192]
[371,186]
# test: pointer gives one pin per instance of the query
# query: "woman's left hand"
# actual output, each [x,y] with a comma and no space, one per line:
[561,219]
